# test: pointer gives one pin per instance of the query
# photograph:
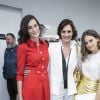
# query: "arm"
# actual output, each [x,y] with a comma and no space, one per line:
[21,57]
[19,86]
[98,93]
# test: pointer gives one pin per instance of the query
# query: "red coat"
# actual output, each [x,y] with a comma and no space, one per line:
[35,86]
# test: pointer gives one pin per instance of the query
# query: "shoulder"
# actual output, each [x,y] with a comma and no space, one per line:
[44,43]
[54,44]
[54,47]
[75,45]
[22,46]
[15,47]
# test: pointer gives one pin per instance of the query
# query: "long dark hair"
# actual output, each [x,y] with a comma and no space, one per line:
[84,50]
[23,33]
[64,23]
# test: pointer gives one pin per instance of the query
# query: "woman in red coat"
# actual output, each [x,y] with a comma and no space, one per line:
[32,54]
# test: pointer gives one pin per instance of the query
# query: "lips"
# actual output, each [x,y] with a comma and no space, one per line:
[67,37]
[35,33]
[90,48]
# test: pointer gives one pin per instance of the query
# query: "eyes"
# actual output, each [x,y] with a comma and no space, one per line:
[34,26]
[68,31]
[90,41]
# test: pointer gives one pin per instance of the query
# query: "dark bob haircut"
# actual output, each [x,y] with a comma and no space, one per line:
[64,23]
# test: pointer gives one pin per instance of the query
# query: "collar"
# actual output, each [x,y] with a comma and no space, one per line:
[72,43]
[32,43]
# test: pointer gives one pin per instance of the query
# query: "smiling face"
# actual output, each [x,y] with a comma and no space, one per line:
[66,34]
[33,29]
[91,43]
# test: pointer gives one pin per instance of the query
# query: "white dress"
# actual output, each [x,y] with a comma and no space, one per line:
[90,69]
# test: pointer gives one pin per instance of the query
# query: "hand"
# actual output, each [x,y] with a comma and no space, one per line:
[20,98]
[26,72]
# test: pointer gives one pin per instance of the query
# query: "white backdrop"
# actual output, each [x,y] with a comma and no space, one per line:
[9,22]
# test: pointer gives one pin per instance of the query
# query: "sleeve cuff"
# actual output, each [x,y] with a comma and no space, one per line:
[20,78]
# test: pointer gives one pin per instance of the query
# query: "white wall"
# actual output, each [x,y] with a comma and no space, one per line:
[9,22]
[84,13]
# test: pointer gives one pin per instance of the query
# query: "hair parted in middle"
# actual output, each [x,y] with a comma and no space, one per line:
[84,50]
[23,32]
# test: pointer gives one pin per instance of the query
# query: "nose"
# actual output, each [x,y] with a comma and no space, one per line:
[88,44]
[33,29]
[67,34]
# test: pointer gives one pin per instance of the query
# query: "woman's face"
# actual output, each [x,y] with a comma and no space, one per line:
[33,29]
[91,43]
[66,34]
